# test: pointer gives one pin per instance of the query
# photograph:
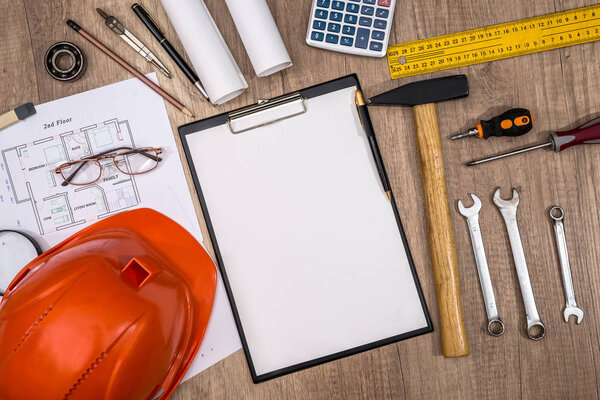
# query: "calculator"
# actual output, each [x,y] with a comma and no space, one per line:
[360,27]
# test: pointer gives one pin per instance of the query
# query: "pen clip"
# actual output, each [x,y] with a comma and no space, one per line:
[151,18]
[359,100]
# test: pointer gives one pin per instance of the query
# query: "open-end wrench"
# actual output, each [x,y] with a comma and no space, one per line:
[495,325]
[508,208]
[557,214]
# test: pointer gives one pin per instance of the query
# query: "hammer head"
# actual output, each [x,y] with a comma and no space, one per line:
[425,92]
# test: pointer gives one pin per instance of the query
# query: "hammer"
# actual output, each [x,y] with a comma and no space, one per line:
[422,96]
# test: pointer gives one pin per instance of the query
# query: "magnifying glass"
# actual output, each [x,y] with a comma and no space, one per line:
[17,249]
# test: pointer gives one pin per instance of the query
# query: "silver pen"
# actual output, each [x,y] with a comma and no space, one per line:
[118,28]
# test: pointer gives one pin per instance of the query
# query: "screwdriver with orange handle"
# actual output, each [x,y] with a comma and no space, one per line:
[588,133]
[514,122]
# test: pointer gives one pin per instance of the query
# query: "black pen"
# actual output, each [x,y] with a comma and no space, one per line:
[153,27]
[368,128]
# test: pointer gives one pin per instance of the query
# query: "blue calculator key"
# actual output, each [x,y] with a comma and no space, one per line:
[346,41]
[376,46]
[331,38]
[350,19]
[365,21]
[337,5]
[377,35]
[353,8]
[320,25]
[322,14]
[318,36]
[382,13]
[335,16]
[362,38]
[323,3]
[335,28]
[366,10]
[380,24]
[369,1]
[348,30]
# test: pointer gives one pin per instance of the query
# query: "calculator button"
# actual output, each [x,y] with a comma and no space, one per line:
[358,1]
[318,36]
[353,8]
[366,10]
[335,28]
[376,46]
[350,19]
[362,38]
[335,16]
[320,25]
[348,30]
[365,21]
[380,24]
[382,13]
[337,5]
[384,3]
[331,38]
[322,14]
[346,41]
[323,3]
[369,1]
[378,35]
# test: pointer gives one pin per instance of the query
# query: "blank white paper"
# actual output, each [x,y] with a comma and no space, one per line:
[308,238]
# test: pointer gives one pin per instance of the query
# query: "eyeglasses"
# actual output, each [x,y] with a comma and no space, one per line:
[127,160]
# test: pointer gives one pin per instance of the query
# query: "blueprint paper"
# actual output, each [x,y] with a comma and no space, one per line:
[122,114]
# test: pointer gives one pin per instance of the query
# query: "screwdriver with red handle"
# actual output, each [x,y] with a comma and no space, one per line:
[588,133]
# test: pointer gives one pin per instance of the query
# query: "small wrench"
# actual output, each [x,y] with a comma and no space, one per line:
[557,214]
[495,324]
[508,208]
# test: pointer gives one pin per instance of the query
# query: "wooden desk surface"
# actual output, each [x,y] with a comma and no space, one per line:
[560,87]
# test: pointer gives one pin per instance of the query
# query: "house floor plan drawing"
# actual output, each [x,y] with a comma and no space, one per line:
[32,181]
[34,201]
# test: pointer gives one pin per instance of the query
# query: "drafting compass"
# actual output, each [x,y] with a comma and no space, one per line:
[118,28]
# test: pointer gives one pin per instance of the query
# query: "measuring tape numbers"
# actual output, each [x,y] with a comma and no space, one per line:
[526,36]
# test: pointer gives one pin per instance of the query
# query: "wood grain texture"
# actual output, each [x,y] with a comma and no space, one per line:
[441,235]
[560,87]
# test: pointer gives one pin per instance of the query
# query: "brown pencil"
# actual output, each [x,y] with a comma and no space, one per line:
[129,68]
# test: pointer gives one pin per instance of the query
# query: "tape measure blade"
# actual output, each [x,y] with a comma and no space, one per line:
[496,42]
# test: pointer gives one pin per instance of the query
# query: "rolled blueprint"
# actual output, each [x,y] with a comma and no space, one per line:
[212,60]
[260,35]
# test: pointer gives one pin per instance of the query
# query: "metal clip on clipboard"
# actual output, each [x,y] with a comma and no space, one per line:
[266,112]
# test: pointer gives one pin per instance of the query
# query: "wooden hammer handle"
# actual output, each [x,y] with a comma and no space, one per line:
[441,235]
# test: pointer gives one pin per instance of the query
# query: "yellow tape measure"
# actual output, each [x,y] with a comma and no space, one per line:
[496,42]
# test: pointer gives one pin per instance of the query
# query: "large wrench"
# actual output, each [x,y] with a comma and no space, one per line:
[508,208]
[557,214]
[495,325]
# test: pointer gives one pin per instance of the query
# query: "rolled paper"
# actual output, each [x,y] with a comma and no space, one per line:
[260,35]
[208,52]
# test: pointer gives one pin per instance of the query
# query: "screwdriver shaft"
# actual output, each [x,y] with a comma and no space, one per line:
[470,132]
[510,153]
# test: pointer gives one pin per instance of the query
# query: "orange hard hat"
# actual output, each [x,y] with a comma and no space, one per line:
[116,311]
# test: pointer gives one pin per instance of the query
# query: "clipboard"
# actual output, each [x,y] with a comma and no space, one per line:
[312,252]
